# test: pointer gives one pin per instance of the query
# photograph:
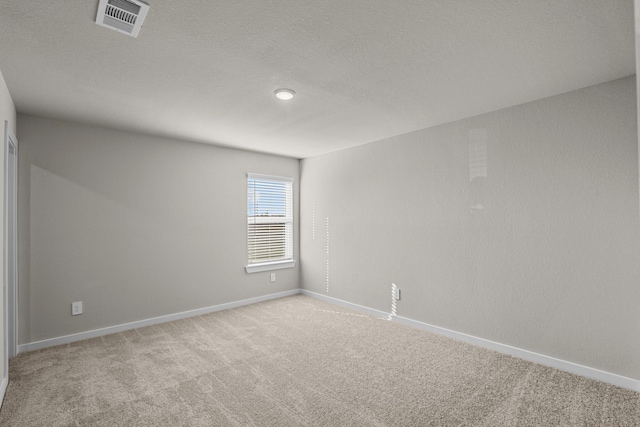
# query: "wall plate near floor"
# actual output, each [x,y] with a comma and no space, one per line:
[76,308]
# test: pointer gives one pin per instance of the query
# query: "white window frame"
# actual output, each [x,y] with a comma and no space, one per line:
[287,261]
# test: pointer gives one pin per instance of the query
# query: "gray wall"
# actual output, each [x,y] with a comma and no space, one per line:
[549,262]
[134,226]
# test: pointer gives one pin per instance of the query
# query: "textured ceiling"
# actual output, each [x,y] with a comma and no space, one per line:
[205,70]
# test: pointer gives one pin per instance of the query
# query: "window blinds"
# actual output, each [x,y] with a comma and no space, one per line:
[269,219]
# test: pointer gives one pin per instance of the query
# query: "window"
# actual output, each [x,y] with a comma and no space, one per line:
[269,223]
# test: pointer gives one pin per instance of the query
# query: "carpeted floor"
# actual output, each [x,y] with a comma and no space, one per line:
[297,361]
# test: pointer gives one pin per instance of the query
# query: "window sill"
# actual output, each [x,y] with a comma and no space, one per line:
[267,266]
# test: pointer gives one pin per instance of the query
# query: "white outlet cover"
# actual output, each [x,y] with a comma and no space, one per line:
[76,308]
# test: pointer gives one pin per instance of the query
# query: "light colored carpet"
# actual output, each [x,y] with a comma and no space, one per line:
[297,361]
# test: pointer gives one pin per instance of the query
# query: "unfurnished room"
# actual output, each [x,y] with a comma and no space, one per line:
[296,213]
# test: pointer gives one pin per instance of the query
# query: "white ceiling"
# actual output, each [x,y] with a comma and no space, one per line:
[363,70]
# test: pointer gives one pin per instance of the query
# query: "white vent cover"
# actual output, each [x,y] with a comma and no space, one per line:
[124,16]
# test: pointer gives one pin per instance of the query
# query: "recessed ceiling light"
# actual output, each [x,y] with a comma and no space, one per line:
[284,94]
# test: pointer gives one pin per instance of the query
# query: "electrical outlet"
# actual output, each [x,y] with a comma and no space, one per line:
[273,277]
[396,294]
[76,308]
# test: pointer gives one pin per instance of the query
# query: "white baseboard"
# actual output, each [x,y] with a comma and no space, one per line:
[552,362]
[574,368]
[37,345]
[3,389]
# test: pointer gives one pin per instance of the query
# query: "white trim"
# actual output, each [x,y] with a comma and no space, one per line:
[268,266]
[37,345]
[574,368]
[269,177]
[10,139]
[552,362]
[5,290]
[3,389]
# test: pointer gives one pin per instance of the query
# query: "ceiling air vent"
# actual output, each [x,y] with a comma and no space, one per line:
[124,16]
